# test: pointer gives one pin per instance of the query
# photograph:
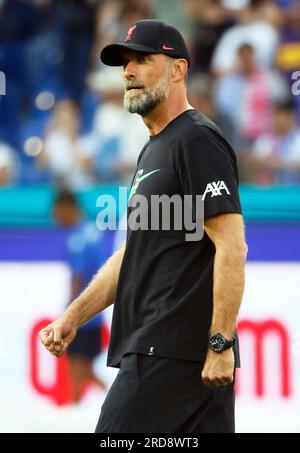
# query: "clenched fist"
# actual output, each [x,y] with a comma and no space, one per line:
[218,368]
[57,336]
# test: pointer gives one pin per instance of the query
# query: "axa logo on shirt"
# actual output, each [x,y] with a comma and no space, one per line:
[215,189]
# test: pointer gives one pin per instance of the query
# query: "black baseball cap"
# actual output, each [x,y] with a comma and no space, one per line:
[149,36]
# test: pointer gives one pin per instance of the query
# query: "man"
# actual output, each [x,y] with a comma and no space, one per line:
[84,255]
[172,297]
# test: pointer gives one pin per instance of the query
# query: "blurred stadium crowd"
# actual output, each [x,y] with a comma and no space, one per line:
[62,119]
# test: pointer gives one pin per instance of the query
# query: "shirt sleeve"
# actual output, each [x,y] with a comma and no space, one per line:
[207,168]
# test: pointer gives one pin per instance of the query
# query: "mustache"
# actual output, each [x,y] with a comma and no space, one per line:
[129,85]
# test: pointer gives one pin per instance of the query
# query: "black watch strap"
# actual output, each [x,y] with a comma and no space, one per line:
[218,343]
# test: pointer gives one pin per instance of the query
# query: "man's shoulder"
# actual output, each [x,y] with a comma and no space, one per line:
[203,139]
[199,127]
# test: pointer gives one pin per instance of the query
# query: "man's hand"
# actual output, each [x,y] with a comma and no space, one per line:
[57,336]
[218,368]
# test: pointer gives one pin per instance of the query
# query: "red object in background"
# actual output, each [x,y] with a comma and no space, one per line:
[60,391]
[105,332]
[260,329]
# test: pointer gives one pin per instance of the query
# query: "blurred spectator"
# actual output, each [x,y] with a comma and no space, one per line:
[118,136]
[43,53]
[65,154]
[285,4]
[48,46]
[18,21]
[132,11]
[107,27]
[201,97]
[211,20]
[288,53]
[254,28]
[27,48]
[76,24]
[114,17]
[8,165]
[246,95]
[85,257]
[275,157]
[176,13]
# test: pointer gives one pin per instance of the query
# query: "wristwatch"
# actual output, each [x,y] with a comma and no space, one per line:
[218,343]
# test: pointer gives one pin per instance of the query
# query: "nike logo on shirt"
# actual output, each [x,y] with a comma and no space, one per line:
[139,178]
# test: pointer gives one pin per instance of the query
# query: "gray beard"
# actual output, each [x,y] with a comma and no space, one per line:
[144,103]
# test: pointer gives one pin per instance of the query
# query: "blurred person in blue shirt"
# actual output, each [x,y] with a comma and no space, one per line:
[247,95]
[84,254]
[275,156]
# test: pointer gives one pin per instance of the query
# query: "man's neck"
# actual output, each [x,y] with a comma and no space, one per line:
[164,113]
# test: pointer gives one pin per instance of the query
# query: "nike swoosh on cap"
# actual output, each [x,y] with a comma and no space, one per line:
[165,47]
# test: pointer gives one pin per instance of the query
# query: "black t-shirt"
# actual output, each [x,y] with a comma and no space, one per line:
[164,298]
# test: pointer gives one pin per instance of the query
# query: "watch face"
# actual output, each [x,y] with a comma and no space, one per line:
[217,343]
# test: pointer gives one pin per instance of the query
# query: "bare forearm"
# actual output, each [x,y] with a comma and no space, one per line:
[228,288]
[99,294]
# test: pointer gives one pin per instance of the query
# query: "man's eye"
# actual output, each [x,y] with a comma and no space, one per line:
[142,59]
[138,59]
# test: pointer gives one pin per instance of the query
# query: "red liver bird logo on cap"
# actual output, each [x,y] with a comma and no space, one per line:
[129,33]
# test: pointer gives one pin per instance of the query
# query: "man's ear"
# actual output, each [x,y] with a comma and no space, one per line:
[179,69]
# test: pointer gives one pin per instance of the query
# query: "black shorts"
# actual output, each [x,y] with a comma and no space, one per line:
[160,395]
[86,344]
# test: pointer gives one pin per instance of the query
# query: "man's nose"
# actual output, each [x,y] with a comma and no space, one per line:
[130,70]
